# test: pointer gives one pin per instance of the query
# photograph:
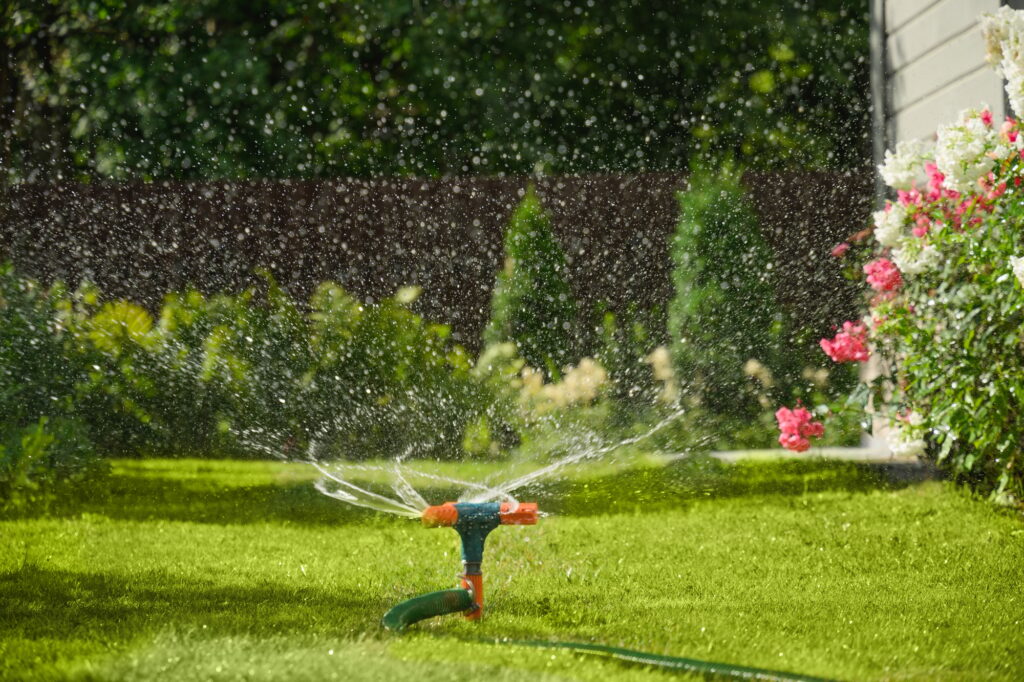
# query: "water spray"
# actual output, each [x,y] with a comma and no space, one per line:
[473,521]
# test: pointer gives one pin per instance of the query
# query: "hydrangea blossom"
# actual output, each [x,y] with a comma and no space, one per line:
[903,443]
[1004,42]
[849,345]
[965,150]
[1017,263]
[840,249]
[902,168]
[914,259]
[889,223]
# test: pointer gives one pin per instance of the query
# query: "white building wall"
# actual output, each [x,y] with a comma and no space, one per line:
[935,65]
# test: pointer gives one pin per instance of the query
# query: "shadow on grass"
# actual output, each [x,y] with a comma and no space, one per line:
[202,499]
[134,498]
[39,603]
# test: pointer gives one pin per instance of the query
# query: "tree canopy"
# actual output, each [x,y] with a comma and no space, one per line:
[234,89]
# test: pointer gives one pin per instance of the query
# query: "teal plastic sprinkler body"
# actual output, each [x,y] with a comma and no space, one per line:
[473,521]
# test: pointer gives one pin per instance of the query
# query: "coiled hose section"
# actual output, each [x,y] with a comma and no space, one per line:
[444,602]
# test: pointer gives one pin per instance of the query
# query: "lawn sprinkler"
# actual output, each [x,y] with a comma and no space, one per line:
[473,521]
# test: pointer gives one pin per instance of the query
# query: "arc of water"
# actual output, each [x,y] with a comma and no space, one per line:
[573,458]
[407,492]
[362,497]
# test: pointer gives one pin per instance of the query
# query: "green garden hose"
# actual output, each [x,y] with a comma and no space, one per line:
[426,606]
[440,603]
[709,669]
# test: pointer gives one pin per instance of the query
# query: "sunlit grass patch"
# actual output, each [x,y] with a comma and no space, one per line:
[820,568]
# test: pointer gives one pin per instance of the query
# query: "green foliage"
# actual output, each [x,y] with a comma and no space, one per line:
[144,392]
[385,381]
[739,350]
[348,378]
[532,305]
[42,441]
[954,342]
[278,88]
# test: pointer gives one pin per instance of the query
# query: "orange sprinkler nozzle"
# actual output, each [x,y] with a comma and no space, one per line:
[509,514]
[524,514]
[440,515]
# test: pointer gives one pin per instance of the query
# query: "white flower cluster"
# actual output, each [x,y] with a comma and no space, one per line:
[966,150]
[903,443]
[915,258]
[661,366]
[1017,263]
[889,224]
[904,167]
[1004,42]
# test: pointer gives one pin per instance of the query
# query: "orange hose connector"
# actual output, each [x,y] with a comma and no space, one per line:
[474,584]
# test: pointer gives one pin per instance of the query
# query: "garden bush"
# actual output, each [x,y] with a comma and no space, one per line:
[349,379]
[385,382]
[532,305]
[250,375]
[737,346]
[43,442]
[945,308]
[627,340]
[722,314]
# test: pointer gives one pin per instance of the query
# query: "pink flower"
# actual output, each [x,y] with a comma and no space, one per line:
[849,345]
[883,275]
[797,428]
[840,249]
[793,442]
[1009,130]
[935,179]
[986,117]
[909,197]
[922,225]
[880,298]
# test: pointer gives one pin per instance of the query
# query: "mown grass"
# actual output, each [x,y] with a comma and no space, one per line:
[229,570]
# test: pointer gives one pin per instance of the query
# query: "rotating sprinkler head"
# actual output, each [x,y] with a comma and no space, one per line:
[474,521]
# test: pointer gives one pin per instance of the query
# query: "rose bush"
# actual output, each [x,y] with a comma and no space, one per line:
[946,310]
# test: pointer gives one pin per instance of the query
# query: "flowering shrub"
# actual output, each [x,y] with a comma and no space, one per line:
[946,314]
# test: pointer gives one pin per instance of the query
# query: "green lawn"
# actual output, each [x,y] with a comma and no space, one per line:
[228,570]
